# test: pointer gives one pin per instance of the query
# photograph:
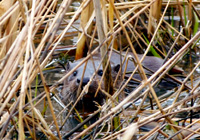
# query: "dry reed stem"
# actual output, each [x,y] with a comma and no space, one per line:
[101,30]
[24,76]
[154,16]
[150,133]
[132,95]
[21,65]
[86,26]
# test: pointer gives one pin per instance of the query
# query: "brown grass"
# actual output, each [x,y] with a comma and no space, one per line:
[31,34]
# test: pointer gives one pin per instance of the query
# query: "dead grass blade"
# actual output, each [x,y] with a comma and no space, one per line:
[38,39]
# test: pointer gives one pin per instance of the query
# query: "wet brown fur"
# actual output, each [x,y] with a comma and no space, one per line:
[69,93]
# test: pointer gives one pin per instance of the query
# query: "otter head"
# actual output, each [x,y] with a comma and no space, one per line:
[76,82]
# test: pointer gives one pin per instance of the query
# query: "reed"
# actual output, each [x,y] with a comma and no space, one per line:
[38,37]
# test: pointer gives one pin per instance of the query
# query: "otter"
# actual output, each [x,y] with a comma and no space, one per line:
[72,83]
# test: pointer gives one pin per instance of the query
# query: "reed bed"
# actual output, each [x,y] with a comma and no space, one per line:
[41,35]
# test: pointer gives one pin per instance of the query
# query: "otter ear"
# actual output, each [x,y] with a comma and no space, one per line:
[116,68]
[67,66]
[63,65]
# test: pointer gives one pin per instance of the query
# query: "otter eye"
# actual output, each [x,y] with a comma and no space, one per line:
[100,72]
[74,73]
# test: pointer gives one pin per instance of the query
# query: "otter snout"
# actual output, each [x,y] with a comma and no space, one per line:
[84,82]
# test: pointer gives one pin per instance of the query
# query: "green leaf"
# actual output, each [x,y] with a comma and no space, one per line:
[152,50]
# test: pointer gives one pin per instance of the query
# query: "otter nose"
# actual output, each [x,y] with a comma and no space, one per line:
[84,82]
